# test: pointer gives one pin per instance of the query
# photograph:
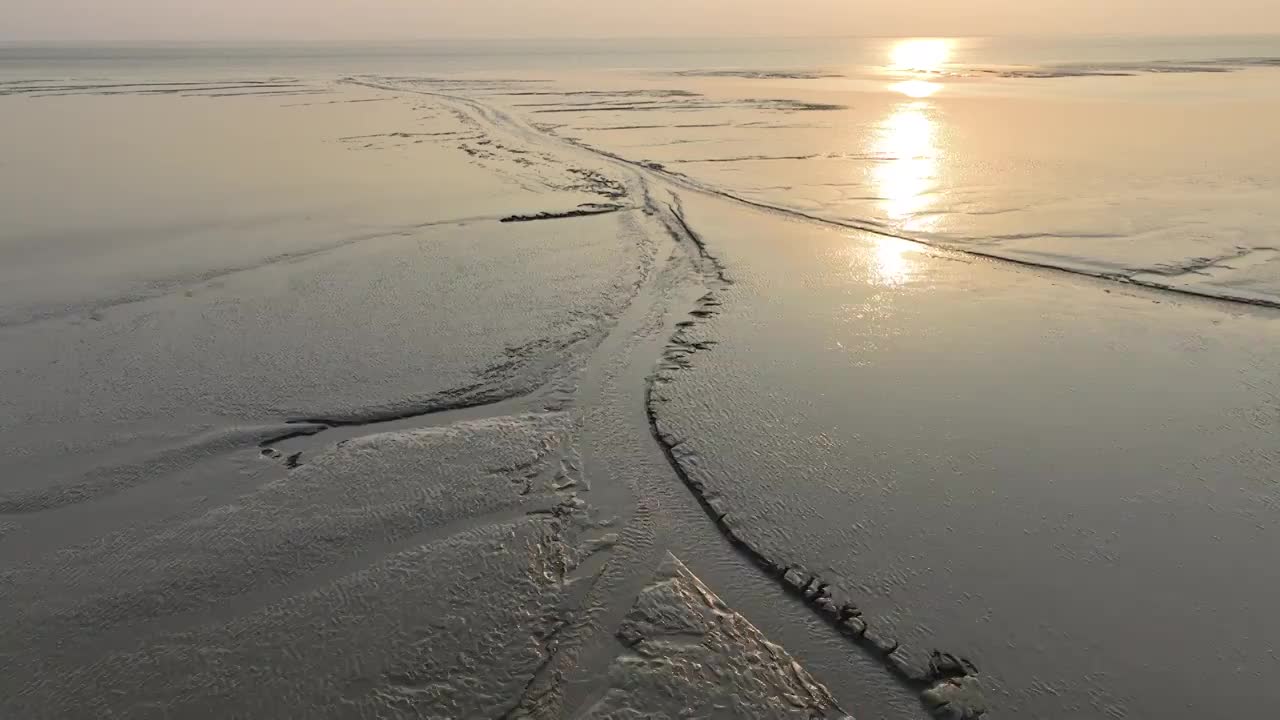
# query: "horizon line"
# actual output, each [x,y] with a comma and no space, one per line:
[156,42]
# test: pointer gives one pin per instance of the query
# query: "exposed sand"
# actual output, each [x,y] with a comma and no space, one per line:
[401,473]
[365,422]
[690,655]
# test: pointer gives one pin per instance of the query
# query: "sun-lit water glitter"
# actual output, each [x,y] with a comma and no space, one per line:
[921,59]
[921,55]
[906,177]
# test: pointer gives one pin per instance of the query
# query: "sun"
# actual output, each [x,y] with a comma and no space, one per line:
[921,55]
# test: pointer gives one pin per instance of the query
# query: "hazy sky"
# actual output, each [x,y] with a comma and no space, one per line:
[156,20]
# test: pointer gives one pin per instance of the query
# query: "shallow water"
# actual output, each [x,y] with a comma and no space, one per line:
[288,297]
[1071,485]
[1150,160]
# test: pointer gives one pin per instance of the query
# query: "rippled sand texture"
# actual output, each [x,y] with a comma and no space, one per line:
[395,407]
[151,331]
[682,640]
[1067,482]
[393,473]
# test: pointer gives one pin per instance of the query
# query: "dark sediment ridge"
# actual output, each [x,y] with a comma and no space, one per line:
[948,684]
[582,211]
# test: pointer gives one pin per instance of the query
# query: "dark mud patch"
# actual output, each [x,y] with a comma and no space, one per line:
[760,74]
[581,211]
[776,104]
[750,158]
[606,93]
[1123,69]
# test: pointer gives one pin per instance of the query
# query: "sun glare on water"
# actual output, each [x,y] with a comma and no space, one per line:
[916,88]
[907,176]
[920,58]
[921,55]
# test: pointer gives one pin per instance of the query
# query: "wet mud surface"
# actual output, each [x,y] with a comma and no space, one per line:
[485,419]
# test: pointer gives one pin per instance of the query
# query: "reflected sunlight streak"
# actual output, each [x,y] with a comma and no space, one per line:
[893,263]
[921,55]
[906,176]
[916,88]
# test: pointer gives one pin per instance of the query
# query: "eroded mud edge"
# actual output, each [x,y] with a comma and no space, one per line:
[948,684]
[1129,277]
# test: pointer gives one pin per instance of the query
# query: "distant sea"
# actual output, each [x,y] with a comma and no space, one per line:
[447,55]
[1151,160]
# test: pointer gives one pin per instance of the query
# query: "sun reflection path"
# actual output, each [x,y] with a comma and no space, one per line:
[906,141]
[906,175]
[894,265]
[916,88]
[920,58]
[906,148]
[921,55]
